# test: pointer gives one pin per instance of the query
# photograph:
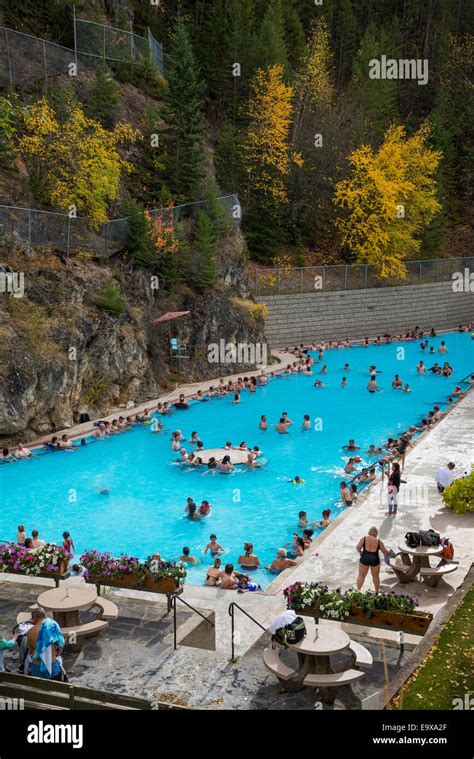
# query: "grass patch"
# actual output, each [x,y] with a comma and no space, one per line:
[255,311]
[447,671]
[33,323]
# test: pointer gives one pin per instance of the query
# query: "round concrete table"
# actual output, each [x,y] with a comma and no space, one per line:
[65,603]
[314,653]
[421,557]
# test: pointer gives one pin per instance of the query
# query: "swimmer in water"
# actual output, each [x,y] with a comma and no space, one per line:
[421,369]
[373,451]
[351,446]
[318,383]
[263,422]
[281,427]
[407,388]
[213,547]
[225,466]
[344,382]
[306,422]
[303,522]
[296,481]
[372,386]
[186,557]
[323,369]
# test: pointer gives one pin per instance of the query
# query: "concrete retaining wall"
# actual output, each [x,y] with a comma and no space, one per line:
[359,313]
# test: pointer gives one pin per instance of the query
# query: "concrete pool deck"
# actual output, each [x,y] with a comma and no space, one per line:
[420,507]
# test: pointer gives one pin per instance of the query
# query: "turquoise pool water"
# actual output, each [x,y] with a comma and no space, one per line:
[144,511]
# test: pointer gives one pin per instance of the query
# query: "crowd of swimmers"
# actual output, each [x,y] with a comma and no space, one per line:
[34,542]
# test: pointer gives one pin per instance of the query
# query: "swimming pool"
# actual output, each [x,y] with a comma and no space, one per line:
[144,511]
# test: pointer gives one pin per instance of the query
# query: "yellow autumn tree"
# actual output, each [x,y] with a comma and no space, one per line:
[266,154]
[314,81]
[76,161]
[390,197]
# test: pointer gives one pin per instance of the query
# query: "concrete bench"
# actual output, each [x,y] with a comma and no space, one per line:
[108,610]
[335,680]
[362,657]
[404,572]
[85,631]
[272,661]
[432,575]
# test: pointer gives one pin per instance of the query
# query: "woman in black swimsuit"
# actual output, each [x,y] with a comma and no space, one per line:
[369,548]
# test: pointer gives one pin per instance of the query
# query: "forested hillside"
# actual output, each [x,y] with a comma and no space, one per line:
[277,94]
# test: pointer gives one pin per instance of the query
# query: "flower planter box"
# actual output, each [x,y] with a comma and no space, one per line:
[163,585]
[61,572]
[416,624]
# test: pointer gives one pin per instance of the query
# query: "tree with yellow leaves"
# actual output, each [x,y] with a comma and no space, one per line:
[266,155]
[76,162]
[390,198]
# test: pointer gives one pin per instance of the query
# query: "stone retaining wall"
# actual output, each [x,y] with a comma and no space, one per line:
[360,313]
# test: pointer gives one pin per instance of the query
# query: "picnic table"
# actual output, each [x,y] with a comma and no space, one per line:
[314,659]
[66,604]
[416,561]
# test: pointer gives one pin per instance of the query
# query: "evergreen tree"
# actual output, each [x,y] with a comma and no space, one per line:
[204,270]
[271,46]
[294,34]
[182,115]
[103,99]
[228,168]
[139,243]
[375,98]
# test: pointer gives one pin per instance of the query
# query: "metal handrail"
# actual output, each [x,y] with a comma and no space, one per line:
[467,379]
[173,600]
[231,613]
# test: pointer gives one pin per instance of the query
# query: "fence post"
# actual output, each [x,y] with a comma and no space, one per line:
[75,34]
[256,282]
[29,227]
[366,274]
[10,72]
[106,238]
[279,281]
[45,65]
[68,235]
[301,280]
[345,277]
[419,279]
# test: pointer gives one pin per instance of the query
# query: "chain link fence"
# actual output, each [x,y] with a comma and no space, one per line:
[353,277]
[25,59]
[118,45]
[76,235]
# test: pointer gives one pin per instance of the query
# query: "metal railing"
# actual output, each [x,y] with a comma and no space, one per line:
[77,234]
[172,601]
[231,611]
[286,281]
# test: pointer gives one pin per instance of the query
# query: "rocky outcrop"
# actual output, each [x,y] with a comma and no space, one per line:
[61,355]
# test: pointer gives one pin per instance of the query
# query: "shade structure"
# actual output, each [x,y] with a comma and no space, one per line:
[170,315]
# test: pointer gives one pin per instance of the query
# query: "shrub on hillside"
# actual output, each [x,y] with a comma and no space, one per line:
[110,300]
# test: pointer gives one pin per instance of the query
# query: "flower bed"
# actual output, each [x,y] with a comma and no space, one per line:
[48,559]
[130,572]
[390,610]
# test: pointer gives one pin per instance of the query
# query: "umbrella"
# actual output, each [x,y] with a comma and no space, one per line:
[170,315]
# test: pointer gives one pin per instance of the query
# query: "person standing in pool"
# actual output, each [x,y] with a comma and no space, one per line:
[306,422]
[248,560]
[345,494]
[282,427]
[225,466]
[372,386]
[213,546]
[263,423]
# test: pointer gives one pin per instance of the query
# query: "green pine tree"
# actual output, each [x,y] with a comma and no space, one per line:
[227,158]
[294,34]
[182,115]
[139,244]
[204,271]
[103,99]
[271,46]
[376,99]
